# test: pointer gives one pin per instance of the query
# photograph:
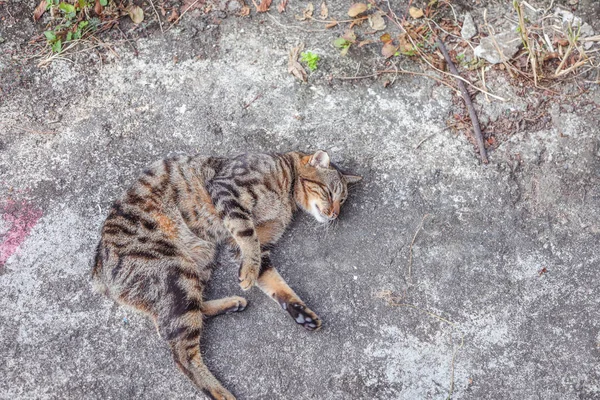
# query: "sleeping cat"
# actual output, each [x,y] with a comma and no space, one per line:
[159,241]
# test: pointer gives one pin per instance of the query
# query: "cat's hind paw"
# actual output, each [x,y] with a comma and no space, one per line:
[240,305]
[303,315]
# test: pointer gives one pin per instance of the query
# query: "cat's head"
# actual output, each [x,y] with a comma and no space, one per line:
[322,188]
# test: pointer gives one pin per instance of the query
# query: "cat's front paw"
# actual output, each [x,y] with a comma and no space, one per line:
[303,315]
[248,275]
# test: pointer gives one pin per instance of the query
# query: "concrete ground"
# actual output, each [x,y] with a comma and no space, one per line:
[502,275]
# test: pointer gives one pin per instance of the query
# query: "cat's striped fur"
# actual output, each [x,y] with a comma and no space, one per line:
[159,242]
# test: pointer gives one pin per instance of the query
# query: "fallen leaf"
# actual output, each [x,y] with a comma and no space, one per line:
[331,24]
[341,42]
[357,9]
[294,67]
[376,21]
[350,36]
[136,14]
[174,15]
[245,11]
[307,13]
[282,5]
[364,42]
[415,12]
[389,49]
[405,45]
[98,8]
[386,37]
[324,10]
[264,6]
[39,10]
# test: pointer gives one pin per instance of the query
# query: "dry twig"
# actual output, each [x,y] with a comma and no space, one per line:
[467,98]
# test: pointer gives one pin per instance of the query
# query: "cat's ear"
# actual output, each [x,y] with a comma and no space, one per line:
[350,179]
[320,159]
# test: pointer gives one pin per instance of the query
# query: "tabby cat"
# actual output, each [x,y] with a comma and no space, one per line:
[160,240]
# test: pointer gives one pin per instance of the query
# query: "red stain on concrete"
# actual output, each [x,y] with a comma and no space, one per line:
[19,218]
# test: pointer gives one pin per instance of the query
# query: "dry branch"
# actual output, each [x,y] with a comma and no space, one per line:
[467,98]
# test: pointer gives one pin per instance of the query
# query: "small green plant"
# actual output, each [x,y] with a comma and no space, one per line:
[310,59]
[344,42]
[71,21]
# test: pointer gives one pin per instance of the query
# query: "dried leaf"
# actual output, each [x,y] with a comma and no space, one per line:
[324,10]
[331,24]
[136,14]
[357,9]
[389,49]
[98,8]
[386,37]
[174,15]
[350,36]
[307,13]
[294,67]
[364,42]
[40,10]
[415,12]
[282,5]
[245,11]
[376,21]
[405,45]
[345,50]
[264,6]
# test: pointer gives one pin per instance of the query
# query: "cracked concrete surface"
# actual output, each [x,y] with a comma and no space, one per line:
[476,262]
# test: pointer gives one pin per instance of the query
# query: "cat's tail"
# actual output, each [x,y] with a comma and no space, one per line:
[186,353]
[97,283]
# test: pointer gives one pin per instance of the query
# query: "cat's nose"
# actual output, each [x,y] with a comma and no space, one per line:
[335,210]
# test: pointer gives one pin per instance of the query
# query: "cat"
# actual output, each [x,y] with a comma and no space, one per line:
[158,244]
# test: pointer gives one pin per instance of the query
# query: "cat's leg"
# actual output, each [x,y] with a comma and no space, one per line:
[239,223]
[226,305]
[270,282]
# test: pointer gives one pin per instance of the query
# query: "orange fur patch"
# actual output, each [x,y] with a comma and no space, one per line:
[166,224]
[271,282]
[207,201]
[268,231]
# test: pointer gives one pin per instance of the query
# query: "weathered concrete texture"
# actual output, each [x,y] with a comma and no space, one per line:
[475,263]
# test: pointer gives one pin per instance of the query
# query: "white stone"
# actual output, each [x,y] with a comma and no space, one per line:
[468,29]
[508,42]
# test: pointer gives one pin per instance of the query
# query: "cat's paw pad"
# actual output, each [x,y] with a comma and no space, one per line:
[303,315]
[248,276]
[240,304]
